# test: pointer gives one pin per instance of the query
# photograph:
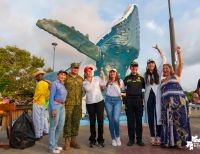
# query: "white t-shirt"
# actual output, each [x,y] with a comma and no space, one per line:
[113,89]
[92,90]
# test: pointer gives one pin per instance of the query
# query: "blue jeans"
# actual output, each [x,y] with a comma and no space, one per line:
[113,107]
[56,125]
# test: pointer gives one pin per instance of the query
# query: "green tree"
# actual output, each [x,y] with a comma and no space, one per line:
[48,70]
[189,95]
[16,69]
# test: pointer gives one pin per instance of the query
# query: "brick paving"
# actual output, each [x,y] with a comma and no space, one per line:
[41,146]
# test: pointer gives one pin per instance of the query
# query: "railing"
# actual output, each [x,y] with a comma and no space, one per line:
[11,113]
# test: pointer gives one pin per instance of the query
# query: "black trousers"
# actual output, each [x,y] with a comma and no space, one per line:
[155,129]
[96,111]
[134,117]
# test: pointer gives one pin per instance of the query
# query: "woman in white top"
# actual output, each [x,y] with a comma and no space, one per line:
[113,105]
[153,97]
[95,104]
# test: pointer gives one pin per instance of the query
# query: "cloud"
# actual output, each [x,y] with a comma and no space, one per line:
[94,17]
[188,36]
[190,77]
[19,27]
[151,25]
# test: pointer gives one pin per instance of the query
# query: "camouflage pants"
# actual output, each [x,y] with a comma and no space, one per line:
[72,120]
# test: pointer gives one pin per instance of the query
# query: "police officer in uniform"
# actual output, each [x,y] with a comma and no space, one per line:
[73,107]
[134,83]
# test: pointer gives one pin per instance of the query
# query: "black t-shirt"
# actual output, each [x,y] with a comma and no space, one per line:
[198,85]
[134,85]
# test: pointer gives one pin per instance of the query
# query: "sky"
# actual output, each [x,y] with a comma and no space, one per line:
[94,17]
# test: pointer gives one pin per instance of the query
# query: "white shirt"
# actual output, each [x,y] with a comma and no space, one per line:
[113,89]
[92,90]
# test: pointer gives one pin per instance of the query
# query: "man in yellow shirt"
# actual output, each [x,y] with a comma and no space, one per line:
[40,96]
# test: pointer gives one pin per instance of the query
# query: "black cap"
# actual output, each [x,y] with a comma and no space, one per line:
[134,63]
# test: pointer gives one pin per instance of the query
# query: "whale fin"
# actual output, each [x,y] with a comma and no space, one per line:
[126,32]
[71,37]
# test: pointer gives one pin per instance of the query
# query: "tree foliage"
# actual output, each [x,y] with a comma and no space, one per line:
[189,95]
[16,69]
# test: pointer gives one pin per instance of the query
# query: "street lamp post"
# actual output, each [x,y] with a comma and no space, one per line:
[172,36]
[54,44]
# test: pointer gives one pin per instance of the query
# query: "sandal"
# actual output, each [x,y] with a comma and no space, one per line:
[153,141]
[158,141]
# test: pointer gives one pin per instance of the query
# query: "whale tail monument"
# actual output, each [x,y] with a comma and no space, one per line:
[116,49]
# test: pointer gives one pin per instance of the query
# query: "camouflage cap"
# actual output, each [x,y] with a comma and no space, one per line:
[75,65]
[134,63]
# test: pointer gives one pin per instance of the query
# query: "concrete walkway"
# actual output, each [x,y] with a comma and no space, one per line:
[41,146]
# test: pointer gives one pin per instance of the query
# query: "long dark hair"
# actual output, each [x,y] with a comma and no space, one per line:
[154,76]
[117,79]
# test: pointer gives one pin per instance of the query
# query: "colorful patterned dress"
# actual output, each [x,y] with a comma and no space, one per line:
[174,114]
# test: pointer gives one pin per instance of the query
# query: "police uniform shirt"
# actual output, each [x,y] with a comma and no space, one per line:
[134,85]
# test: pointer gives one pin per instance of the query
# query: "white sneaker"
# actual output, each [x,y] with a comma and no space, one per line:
[118,141]
[114,143]
[59,148]
[54,151]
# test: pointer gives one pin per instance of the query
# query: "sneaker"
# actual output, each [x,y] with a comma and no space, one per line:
[118,141]
[59,148]
[54,151]
[114,143]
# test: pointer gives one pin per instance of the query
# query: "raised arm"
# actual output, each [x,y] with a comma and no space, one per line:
[163,59]
[103,81]
[179,67]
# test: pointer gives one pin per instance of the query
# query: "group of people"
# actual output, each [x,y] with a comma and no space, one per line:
[165,103]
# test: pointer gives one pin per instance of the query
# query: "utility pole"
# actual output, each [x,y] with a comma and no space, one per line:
[172,37]
[54,44]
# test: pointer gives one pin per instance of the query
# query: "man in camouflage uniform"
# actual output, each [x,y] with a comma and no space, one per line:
[73,107]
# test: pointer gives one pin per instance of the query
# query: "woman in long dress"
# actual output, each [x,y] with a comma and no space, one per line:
[174,113]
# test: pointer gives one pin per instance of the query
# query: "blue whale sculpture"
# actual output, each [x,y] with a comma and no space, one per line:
[115,50]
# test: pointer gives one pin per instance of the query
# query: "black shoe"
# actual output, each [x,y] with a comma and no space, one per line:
[140,143]
[130,143]
[164,146]
[101,145]
[37,139]
[45,134]
[92,144]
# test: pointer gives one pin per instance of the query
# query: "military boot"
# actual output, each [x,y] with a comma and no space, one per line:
[67,144]
[74,143]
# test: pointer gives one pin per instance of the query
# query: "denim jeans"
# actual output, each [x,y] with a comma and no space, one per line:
[113,107]
[56,125]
